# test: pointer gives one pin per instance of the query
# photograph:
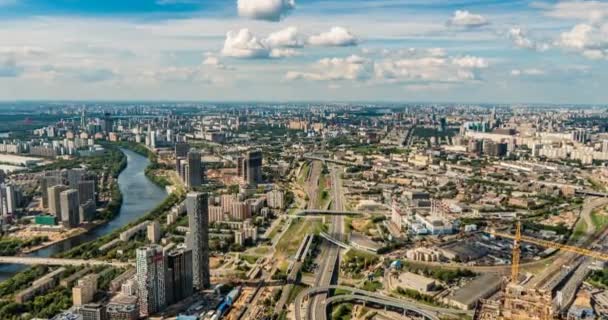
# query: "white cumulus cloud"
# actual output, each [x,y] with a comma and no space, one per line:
[470,62]
[590,40]
[521,40]
[336,37]
[283,53]
[269,10]
[286,38]
[212,60]
[527,72]
[350,68]
[410,66]
[244,44]
[466,19]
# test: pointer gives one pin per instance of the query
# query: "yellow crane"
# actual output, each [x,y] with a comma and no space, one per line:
[518,302]
[518,238]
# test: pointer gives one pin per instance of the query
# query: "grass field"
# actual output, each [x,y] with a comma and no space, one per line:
[579,230]
[289,243]
[600,221]
[304,173]
[323,196]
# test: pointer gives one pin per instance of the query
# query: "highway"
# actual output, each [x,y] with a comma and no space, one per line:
[566,258]
[364,295]
[330,251]
[327,212]
[400,305]
[62,262]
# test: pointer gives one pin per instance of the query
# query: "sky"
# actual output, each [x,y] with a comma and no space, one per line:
[305,50]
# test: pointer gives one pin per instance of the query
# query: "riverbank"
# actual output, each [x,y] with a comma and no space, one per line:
[139,196]
[98,165]
[154,164]
[65,235]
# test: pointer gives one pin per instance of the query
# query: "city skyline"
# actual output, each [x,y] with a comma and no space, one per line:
[305,50]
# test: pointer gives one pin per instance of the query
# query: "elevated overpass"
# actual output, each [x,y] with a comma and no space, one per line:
[323,159]
[404,307]
[335,241]
[61,262]
[310,212]
[431,312]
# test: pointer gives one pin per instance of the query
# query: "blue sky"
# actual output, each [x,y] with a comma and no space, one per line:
[281,50]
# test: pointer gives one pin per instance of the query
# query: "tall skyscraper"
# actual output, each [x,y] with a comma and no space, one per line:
[83,119]
[86,191]
[46,182]
[195,170]
[181,149]
[108,124]
[241,168]
[151,269]
[74,176]
[8,199]
[179,275]
[54,199]
[254,167]
[197,204]
[70,213]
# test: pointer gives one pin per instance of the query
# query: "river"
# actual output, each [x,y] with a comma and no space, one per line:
[139,196]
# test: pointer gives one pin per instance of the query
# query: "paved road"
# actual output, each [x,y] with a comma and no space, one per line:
[312,185]
[406,307]
[330,251]
[409,304]
[566,258]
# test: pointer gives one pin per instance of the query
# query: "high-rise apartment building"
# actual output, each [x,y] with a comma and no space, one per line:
[74,176]
[86,191]
[54,203]
[151,269]
[194,174]
[9,197]
[46,182]
[253,167]
[275,199]
[108,123]
[197,204]
[85,289]
[181,149]
[179,275]
[70,213]
[153,232]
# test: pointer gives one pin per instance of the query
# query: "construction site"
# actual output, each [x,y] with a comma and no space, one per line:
[548,295]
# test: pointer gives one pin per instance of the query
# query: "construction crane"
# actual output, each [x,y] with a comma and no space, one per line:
[518,302]
[518,238]
[516,253]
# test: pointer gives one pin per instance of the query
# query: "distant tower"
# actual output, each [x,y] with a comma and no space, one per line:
[181,149]
[254,167]
[83,119]
[151,270]
[108,124]
[197,204]
[195,170]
